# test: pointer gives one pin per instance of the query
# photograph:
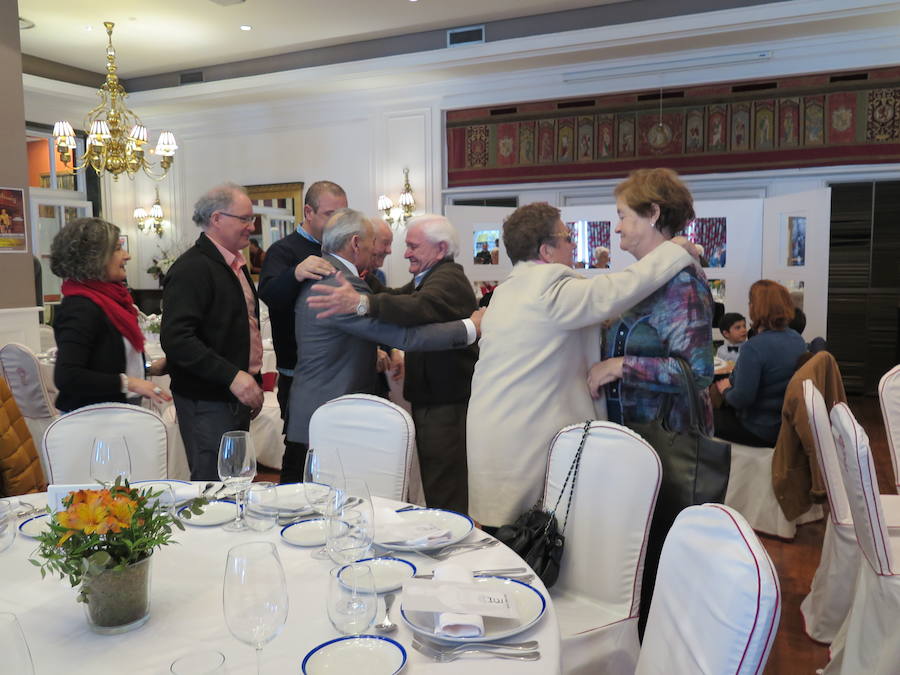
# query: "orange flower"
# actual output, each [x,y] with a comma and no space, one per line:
[96,512]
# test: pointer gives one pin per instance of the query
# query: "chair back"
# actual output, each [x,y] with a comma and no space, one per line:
[889,396]
[717,602]
[374,438]
[823,440]
[615,494]
[69,440]
[861,484]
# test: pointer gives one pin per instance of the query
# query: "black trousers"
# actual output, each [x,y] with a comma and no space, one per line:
[202,424]
[729,428]
[441,444]
[294,453]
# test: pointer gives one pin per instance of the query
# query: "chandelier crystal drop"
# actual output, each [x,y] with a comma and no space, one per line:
[116,137]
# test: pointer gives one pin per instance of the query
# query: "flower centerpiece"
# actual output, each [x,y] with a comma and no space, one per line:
[102,541]
[161,264]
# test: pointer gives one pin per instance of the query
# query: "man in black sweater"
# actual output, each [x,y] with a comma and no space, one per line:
[210,329]
[289,262]
[437,384]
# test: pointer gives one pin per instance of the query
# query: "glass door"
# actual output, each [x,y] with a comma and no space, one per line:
[48,216]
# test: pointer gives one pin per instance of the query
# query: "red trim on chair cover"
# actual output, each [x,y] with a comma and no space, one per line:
[818,443]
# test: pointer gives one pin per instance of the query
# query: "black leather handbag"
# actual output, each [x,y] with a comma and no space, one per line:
[695,467]
[535,535]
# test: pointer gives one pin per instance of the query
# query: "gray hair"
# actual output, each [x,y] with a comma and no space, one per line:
[219,198]
[437,229]
[341,227]
[82,249]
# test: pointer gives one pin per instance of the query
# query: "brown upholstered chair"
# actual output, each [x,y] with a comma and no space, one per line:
[20,469]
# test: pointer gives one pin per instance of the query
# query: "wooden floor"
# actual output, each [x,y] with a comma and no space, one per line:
[794,653]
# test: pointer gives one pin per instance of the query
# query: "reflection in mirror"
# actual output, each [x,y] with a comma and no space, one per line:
[709,234]
[796,241]
[795,288]
[486,246]
[717,287]
[483,291]
[592,243]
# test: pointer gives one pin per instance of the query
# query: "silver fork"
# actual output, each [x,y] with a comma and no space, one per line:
[509,646]
[444,657]
[448,551]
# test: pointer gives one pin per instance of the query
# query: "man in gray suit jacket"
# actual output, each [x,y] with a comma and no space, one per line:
[336,355]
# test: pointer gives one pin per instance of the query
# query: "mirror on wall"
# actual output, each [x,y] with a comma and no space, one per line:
[717,288]
[591,239]
[486,246]
[710,235]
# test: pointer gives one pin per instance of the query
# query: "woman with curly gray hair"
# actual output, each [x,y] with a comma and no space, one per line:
[100,345]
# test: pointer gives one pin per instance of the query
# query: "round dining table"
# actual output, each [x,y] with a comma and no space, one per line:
[186,613]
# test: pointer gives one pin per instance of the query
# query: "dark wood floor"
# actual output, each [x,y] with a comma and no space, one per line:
[794,653]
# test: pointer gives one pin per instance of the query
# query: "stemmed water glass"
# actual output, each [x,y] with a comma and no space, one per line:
[7,525]
[352,602]
[110,459]
[237,468]
[320,475]
[13,646]
[254,595]
[349,522]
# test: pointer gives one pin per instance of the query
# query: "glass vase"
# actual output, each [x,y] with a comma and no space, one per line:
[119,600]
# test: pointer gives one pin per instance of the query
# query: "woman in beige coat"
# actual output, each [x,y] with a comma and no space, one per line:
[539,338]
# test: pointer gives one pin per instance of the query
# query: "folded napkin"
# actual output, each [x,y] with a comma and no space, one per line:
[392,528]
[56,493]
[456,625]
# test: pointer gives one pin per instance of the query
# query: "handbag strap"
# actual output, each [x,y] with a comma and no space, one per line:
[573,474]
[693,395]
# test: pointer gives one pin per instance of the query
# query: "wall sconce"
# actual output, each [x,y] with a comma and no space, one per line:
[153,221]
[396,216]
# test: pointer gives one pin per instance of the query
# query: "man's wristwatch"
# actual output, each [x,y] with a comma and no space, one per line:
[362,307]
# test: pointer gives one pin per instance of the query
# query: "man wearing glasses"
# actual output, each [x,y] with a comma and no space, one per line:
[210,329]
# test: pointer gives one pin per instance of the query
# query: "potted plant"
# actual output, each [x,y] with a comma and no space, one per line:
[102,541]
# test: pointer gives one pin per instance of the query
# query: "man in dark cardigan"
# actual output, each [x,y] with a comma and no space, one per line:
[437,384]
[289,262]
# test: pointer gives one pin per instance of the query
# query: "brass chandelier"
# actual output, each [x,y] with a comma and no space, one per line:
[116,140]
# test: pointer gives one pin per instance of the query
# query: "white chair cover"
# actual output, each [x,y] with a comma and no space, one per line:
[266,431]
[69,439]
[599,588]
[869,640]
[22,373]
[889,395]
[717,602]
[375,438]
[178,463]
[831,593]
[750,492]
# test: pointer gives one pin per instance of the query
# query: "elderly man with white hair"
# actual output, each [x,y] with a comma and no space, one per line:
[336,355]
[437,383]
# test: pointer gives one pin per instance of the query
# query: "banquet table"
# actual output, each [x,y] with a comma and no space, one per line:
[186,611]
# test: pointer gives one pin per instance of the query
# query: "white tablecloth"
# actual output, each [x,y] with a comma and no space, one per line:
[186,613]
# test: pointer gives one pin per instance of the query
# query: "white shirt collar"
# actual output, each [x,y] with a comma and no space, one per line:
[350,265]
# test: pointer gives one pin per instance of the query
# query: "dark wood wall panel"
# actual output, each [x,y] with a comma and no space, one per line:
[886,236]
[851,233]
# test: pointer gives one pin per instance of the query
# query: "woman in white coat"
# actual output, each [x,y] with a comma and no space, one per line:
[539,338]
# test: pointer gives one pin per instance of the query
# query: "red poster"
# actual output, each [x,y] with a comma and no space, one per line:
[12,221]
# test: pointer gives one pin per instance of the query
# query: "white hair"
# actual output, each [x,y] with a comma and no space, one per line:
[437,229]
[341,227]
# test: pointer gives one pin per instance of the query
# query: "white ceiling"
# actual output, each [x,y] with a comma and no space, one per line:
[157,36]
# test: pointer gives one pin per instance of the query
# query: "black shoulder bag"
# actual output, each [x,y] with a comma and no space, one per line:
[535,535]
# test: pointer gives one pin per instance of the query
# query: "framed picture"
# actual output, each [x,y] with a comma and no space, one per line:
[123,242]
[12,220]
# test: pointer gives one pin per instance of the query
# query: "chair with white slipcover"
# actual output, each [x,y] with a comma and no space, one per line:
[869,640]
[69,439]
[598,593]
[375,439]
[717,601]
[22,372]
[889,396]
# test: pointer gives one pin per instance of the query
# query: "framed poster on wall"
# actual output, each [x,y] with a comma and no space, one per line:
[12,221]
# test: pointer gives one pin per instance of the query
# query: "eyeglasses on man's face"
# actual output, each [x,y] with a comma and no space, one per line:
[244,219]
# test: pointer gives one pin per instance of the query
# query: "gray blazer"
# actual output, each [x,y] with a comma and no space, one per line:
[336,355]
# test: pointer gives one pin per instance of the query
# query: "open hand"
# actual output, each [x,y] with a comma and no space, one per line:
[313,267]
[604,372]
[340,299]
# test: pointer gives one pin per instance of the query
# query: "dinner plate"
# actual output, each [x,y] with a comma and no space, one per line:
[305,533]
[214,513]
[458,524]
[370,654]
[529,602]
[35,526]
[719,363]
[182,489]
[389,573]
[292,496]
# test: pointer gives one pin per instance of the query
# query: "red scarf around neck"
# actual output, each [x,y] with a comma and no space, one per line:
[115,301]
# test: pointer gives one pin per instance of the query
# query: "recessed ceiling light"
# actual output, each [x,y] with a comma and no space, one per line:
[246,27]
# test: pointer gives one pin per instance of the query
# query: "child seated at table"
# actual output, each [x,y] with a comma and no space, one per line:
[733,327]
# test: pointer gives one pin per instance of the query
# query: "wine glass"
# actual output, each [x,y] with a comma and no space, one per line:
[13,646]
[110,459]
[349,522]
[261,510]
[254,595]
[321,473]
[7,525]
[352,602]
[237,468]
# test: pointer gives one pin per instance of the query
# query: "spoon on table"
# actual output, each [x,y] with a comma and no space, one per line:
[387,626]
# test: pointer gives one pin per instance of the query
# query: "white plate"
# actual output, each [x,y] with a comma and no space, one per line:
[292,496]
[458,524]
[370,654]
[214,513]
[305,533]
[35,526]
[181,488]
[527,599]
[389,573]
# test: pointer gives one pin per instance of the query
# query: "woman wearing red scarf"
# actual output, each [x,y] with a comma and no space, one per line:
[99,342]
